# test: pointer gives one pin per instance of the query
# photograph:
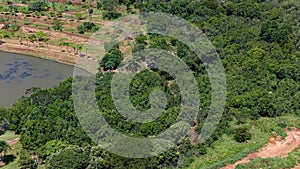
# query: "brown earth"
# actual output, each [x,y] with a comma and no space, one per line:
[297,167]
[80,39]
[10,143]
[272,149]
[53,53]
[14,141]
[74,2]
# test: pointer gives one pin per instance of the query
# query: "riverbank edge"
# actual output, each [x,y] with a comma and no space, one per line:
[59,57]
[38,54]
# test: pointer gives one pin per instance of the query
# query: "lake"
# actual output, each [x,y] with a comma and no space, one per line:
[20,72]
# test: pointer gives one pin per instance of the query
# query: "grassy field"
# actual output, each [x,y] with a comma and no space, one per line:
[274,163]
[12,165]
[14,151]
[9,135]
[227,150]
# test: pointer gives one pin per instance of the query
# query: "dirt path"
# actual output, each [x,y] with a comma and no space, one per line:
[271,150]
[297,167]
[14,141]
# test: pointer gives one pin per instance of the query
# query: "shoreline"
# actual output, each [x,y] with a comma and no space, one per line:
[67,58]
[38,53]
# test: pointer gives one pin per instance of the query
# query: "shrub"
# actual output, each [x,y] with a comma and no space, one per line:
[26,161]
[6,26]
[79,16]
[242,135]
[57,25]
[87,26]
[81,29]
[70,157]
[112,59]
[281,124]
[95,28]
[38,6]
[52,14]
[99,5]
[111,15]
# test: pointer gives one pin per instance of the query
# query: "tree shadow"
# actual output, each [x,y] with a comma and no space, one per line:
[1,42]
[8,158]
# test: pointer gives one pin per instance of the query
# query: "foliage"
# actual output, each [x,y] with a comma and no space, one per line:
[5,26]
[8,135]
[42,37]
[26,161]
[81,29]
[112,59]
[87,26]
[242,134]
[111,15]
[43,117]
[79,16]
[99,5]
[72,157]
[275,163]
[3,148]
[50,148]
[57,25]
[11,26]
[107,5]
[38,6]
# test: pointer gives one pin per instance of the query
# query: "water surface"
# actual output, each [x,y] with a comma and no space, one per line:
[20,72]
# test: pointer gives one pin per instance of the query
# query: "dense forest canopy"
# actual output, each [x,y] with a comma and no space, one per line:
[258,42]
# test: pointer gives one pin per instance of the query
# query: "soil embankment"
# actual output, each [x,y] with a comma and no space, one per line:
[272,149]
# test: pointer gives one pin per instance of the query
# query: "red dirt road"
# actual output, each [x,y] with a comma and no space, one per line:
[271,150]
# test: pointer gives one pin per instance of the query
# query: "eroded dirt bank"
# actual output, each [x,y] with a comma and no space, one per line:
[274,148]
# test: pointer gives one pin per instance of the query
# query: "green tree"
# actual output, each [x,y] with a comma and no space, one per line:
[50,148]
[112,59]
[72,157]
[57,25]
[32,38]
[247,9]
[242,134]
[99,5]
[272,31]
[38,6]
[81,29]
[26,162]
[109,5]
[6,26]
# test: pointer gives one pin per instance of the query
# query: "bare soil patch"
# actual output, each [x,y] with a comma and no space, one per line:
[52,54]
[297,167]
[274,148]
[14,141]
